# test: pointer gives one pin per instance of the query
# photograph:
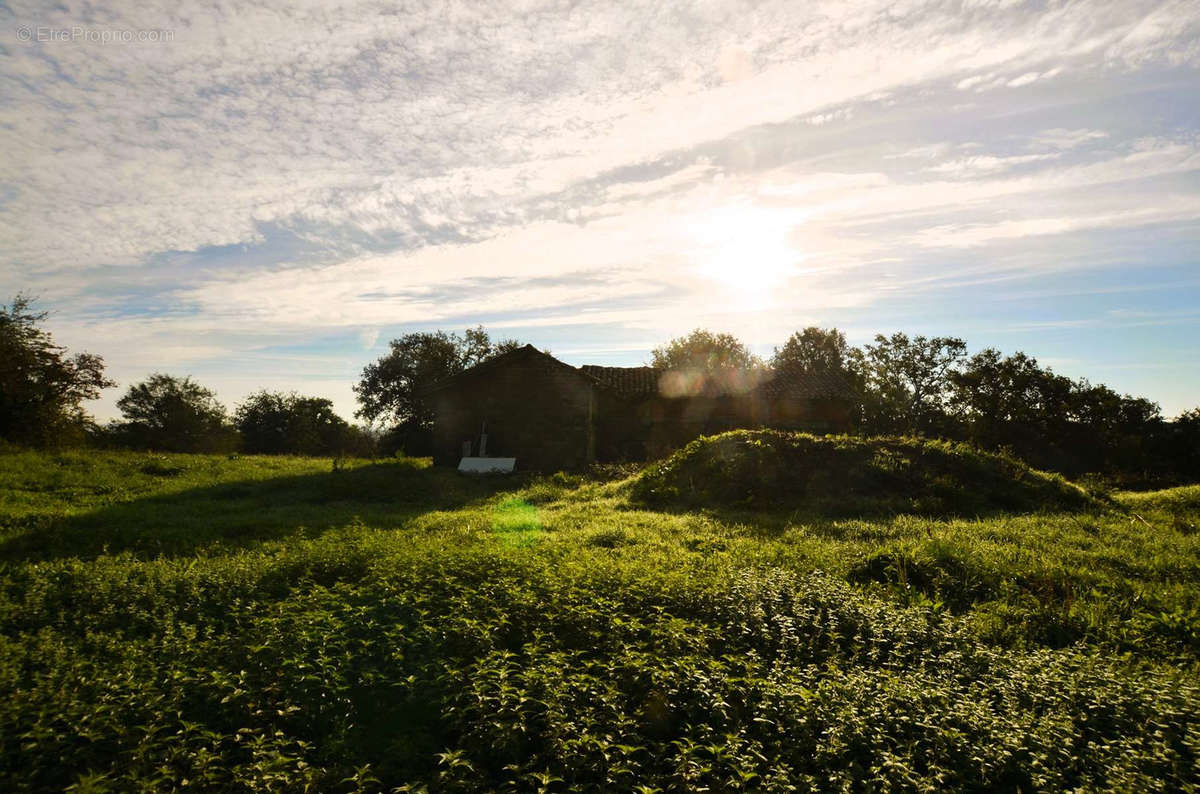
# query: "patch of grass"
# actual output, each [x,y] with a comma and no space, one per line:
[70,505]
[267,624]
[611,538]
[515,522]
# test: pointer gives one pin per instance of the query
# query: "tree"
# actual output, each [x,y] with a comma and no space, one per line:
[814,351]
[174,414]
[1012,401]
[262,420]
[390,388]
[906,381]
[1055,422]
[1180,445]
[42,388]
[1112,429]
[705,352]
[274,423]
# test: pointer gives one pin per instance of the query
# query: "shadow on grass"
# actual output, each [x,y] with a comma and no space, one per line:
[244,513]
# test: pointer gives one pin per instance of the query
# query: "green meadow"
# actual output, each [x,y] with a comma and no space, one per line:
[899,616]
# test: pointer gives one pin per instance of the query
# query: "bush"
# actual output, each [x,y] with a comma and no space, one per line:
[849,476]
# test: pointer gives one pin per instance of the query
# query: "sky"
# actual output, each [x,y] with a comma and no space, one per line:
[262,195]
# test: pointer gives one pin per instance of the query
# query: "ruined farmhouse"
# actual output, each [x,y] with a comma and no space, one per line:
[550,415]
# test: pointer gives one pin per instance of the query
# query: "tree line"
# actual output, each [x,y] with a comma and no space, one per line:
[929,386]
[42,390]
[932,386]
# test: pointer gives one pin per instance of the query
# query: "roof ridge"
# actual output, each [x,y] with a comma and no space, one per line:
[488,363]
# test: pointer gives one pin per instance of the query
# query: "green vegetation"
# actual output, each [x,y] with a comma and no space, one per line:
[924,386]
[851,476]
[284,624]
[42,389]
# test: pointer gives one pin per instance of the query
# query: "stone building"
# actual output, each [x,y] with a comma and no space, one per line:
[549,415]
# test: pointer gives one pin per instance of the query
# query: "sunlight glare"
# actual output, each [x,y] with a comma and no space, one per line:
[746,248]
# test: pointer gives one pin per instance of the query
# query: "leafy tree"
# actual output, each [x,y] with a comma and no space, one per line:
[999,397]
[42,388]
[174,414]
[1113,429]
[274,423]
[390,388]
[706,352]
[814,351]
[1055,422]
[906,381]
[263,421]
[1180,445]
[1012,402]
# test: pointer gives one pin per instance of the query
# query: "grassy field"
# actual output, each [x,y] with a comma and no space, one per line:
[175,622]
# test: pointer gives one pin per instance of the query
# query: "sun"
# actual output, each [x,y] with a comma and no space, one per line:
[746,248]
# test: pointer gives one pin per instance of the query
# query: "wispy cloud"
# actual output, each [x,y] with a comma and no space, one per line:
[1059,138]
[280,171]
[979,165]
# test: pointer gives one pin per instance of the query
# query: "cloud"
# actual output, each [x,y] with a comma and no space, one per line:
[1182,209]
[1024,79]
[282,171]
[1059,138]
[385,123]
[985,164]
[368,337]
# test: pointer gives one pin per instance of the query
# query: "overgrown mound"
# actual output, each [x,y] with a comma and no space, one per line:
[851,476]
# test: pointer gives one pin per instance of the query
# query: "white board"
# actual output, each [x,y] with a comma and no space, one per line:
[486,465]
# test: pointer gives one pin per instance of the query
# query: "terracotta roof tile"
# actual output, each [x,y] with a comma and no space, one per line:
[808,386]
[633,381]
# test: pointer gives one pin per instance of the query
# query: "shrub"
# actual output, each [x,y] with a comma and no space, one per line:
[848,476]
